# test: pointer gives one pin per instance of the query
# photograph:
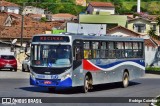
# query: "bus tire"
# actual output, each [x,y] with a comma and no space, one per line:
[87,84]
[23,70]
[15,69]
[125,79]
[28,69]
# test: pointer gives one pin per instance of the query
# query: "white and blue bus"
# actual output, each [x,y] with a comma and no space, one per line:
[65,61]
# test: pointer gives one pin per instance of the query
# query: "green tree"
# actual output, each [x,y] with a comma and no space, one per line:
[43,19]
[153,8]
[134,9]
[152,34]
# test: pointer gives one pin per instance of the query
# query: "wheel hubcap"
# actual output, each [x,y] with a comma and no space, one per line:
[86,85]
[125,80]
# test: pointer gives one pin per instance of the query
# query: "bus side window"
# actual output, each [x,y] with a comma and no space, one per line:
[87,54]
[87,50]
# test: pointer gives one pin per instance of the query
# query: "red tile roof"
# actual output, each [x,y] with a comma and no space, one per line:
[149,43]
[156,41]
[35,15]
[31,27]
[3,17]
[63,15]
[140,18]
[101,4]
[124,29]
[8,4]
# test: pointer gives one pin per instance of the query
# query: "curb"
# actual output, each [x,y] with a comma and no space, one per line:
[153,72]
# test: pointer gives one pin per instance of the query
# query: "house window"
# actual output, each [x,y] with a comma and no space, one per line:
[139,28]
[154,27]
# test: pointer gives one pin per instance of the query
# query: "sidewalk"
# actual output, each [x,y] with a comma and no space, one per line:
[151,76]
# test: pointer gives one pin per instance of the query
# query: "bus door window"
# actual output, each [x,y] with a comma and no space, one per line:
[78,53]
[87,50]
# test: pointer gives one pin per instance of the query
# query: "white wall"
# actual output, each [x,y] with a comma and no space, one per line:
[149,55]
[6,51]
[13,9]
[33,10]
[87,28]
[111,10]
[123,33]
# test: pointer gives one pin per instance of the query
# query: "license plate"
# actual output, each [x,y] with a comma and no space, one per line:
[8,65]
[47,82]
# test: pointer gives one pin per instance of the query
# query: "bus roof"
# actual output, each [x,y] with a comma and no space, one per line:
[92,37]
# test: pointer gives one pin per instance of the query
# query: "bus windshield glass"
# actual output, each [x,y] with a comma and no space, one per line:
[51,55]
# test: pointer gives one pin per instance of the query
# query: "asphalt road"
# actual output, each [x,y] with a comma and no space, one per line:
[16,84]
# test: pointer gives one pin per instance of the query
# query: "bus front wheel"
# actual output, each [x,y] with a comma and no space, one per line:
[125,79]
[87,84]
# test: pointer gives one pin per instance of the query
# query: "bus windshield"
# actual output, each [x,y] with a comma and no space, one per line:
[51,55]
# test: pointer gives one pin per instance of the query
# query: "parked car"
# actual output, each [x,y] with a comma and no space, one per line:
[26,64]
[8,62]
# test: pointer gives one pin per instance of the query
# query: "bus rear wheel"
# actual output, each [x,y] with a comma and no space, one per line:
[125,79]
[87,84]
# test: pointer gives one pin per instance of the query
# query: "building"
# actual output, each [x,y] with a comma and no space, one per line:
[86,29]
[99,7]
[122,31]
[33,10]
[9,7]
[81,2]
[151,49]
[142,25]
[110,20]
[10,27]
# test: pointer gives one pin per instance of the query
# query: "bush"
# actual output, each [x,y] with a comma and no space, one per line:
[152,68]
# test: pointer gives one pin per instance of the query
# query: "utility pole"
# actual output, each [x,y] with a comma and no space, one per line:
[138,6]
[22,25]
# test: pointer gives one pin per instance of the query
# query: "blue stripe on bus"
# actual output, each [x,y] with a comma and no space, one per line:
[67,83]
[118,62]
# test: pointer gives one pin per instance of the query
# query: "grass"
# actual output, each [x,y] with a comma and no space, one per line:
[158,101]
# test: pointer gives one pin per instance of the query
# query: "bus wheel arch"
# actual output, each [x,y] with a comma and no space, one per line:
[125,78]
[88,82]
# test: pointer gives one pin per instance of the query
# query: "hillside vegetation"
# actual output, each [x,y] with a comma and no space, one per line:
[68,6]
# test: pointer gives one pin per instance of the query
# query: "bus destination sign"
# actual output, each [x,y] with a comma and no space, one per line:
[50,39]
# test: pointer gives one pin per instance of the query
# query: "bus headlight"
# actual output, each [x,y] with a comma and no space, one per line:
[67,75]
[33,76]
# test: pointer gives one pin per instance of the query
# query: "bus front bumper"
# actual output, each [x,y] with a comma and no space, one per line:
[57,83]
